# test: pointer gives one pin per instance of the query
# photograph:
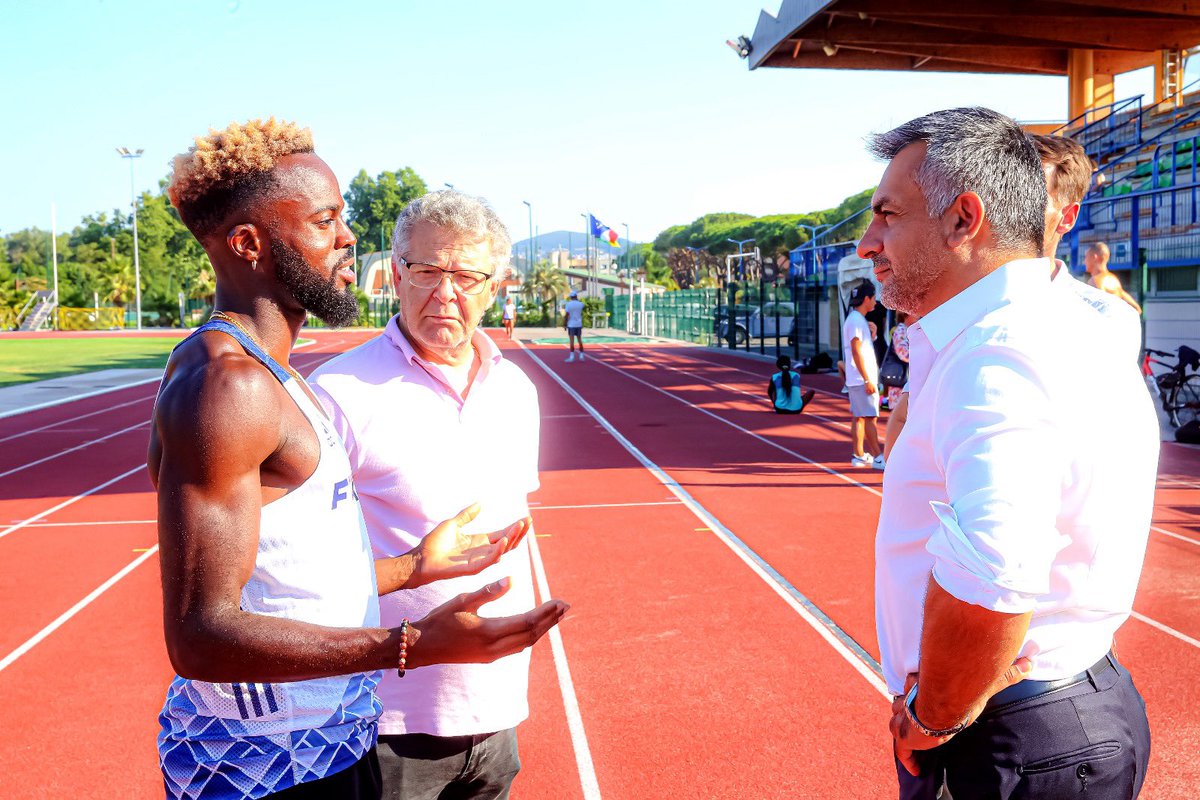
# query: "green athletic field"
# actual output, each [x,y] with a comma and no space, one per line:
[24,360]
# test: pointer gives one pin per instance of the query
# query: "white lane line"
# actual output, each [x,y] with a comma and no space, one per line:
[608,505]
[88,524]
[1167,629]
[75,419]
[72,501]
[1174,535]
[583,754]
[73,398]
[826,628]
[761,398]
[746,431]
[75,609]
[61,453]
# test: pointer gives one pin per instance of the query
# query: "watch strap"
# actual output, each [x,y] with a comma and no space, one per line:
[910,701]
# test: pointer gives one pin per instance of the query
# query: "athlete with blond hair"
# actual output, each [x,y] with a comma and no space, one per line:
[270,591]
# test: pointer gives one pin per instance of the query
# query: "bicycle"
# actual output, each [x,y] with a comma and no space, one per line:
[1178,391]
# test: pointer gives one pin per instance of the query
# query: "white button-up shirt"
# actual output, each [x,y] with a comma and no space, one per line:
[1024,477]
[1126,324]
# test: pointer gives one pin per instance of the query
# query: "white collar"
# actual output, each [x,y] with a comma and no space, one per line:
[996,289]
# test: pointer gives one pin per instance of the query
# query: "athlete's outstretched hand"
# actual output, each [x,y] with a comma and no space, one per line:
[447,552]
[453,633]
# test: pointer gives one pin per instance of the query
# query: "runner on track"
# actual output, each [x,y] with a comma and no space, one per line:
[270,592]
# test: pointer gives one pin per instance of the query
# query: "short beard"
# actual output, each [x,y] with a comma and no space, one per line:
[319,297]
[907,292]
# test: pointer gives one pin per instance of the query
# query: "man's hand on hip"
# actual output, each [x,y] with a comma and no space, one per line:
[907,739]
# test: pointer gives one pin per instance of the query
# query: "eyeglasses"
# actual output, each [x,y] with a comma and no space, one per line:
[429,276]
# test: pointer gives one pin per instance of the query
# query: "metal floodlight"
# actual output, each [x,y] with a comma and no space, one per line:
[830,49]
[742,46]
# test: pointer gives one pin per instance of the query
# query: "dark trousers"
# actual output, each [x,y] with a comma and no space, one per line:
[417,766]
[361,781]
[1089,740]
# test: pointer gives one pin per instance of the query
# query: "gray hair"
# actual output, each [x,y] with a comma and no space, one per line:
[458,212]
[982,151]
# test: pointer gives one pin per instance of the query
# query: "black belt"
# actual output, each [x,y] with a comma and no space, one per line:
[1026,690]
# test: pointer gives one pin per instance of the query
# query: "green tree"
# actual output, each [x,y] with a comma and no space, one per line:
[372,204]
[545,283]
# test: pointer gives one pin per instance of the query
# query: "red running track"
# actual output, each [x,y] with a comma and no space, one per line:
[697,668]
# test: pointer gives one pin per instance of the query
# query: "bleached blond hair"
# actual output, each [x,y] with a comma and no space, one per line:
[228,167]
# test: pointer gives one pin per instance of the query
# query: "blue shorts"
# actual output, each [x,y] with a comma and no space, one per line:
[577,332]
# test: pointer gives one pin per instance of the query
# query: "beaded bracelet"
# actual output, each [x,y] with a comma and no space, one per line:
[403,645]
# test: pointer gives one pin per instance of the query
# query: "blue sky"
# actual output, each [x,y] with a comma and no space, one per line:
[635,111]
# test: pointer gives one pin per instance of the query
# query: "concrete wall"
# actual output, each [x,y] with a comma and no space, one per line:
[1170,323]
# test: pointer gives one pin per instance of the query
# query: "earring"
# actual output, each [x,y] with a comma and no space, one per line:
[254,263]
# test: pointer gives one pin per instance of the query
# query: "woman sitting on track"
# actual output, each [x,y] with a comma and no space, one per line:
[784,389]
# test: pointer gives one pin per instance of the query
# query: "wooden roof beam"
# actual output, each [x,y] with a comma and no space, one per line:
[1020,9]
[1025,60]
[858,59]
[853,30]
[1141,34]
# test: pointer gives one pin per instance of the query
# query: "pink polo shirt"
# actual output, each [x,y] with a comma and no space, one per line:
[420,454]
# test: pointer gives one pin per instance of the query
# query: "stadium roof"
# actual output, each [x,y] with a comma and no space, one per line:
[1005,36]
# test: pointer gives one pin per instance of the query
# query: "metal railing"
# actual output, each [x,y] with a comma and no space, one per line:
[1139,219]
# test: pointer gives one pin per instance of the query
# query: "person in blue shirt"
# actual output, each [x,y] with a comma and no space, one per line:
[784,389]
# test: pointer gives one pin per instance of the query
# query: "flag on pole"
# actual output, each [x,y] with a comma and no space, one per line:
[603,232]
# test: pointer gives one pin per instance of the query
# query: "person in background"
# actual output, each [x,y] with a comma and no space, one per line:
[510,315]
[1096,261]
[573,322]
[862,376]
[900,348]
[784,389]
[1068,171]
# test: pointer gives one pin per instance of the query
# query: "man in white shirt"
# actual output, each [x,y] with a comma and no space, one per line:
[1068,173]
[862,377]
[417,407]
[1011,537]
[573,322]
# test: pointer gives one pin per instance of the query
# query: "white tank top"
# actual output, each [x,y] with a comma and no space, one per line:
[314,563]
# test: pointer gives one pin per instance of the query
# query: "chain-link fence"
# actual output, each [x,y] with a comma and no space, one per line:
[765,317]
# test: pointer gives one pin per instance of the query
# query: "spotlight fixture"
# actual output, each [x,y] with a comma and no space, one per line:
[830,49]
[742,46]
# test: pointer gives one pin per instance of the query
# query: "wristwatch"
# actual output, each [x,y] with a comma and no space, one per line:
[910,701]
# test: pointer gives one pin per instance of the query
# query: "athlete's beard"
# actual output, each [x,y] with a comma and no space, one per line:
[906,289]
[334,307]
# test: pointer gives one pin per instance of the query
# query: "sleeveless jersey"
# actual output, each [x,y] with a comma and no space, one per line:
[314,563]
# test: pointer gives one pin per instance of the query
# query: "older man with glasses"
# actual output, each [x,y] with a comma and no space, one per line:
[420,408]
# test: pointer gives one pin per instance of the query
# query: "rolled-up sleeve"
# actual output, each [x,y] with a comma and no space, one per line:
[1002,455]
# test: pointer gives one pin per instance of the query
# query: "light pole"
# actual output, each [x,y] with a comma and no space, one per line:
[814,234]
[528,205]
[628,244]
[587,237]
[125,152]
[739,243]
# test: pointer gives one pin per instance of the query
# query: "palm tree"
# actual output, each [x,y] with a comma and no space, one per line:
[545,281]
[119,275]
